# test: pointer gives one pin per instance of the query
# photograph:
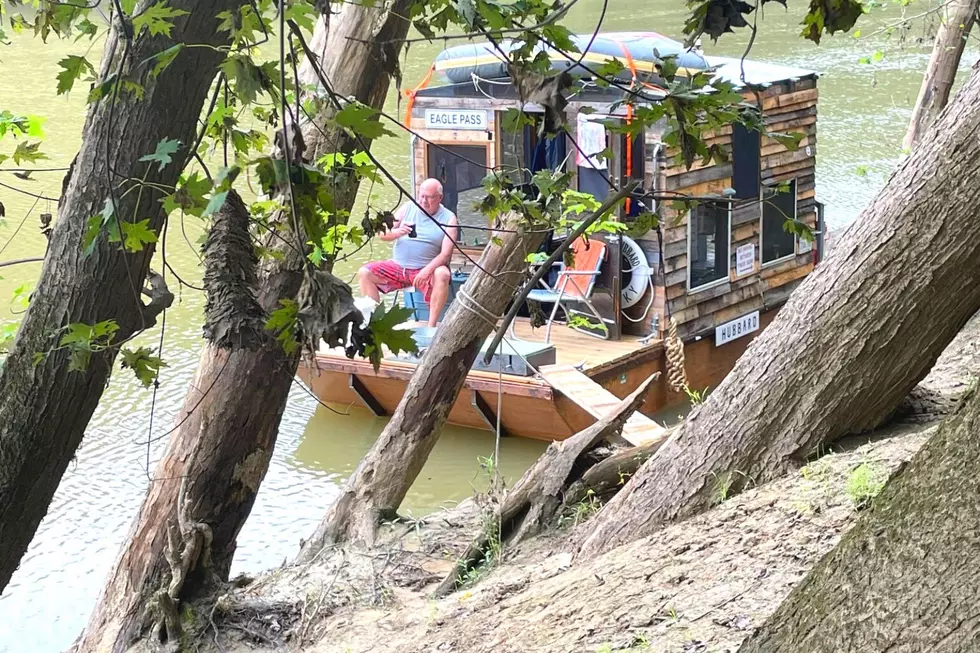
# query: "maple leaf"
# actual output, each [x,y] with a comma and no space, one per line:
[28,152]
[362,120]
[73,68]
[156,19]
[137,235]
[143,363]
[163,154]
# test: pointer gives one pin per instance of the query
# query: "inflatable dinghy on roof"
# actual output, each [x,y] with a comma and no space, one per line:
[639,52]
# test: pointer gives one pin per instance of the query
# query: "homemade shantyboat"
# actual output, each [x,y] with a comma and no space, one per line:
[720,270]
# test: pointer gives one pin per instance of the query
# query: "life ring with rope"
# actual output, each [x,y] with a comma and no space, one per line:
[635,272]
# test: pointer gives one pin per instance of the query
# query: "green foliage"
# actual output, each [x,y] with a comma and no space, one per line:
[144,364]
[82,340]
[864,483]
[581,511]
[164,58]
[249,79]
[190,195]
[137,235]
[384,333]
[104,220]
[157,19]
[361,120]
[163,154]
[73,67]
[7,332]
[283,322]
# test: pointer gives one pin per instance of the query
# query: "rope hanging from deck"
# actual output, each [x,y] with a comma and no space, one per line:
[674,348]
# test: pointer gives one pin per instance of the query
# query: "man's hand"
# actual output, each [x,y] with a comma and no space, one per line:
[423,275]
[398,232]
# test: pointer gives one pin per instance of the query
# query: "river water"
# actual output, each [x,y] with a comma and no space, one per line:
[864,109]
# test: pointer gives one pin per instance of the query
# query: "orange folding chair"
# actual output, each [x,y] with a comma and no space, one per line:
[573,288]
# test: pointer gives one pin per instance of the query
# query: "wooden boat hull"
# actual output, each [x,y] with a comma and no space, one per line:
[529,407]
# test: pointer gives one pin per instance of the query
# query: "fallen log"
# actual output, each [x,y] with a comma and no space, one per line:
[539,496]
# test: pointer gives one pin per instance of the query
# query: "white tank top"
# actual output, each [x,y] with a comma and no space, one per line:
[416,253]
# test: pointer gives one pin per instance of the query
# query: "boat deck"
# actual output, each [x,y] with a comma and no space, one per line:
[571,348]
[532,406]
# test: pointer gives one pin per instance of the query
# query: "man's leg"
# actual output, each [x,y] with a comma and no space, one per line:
[440,293]
[381,277]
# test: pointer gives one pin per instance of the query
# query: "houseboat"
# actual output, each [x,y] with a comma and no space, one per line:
[718,269]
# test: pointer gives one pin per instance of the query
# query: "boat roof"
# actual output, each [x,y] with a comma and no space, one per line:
[478,69]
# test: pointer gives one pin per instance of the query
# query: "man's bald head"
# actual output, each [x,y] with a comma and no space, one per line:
[430,195]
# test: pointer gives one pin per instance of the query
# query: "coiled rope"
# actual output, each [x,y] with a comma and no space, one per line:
[676,374]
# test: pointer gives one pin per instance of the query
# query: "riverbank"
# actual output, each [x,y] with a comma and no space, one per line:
[700,585]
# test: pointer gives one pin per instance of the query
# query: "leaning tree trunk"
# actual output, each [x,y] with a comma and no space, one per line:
[847,347]
[905,577]
[382,479]
[236,402]
[45,407]
[958,18]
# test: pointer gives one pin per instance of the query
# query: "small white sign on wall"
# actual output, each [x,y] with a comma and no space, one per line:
[741,326]
[804,245]
[474,119]
[744,259]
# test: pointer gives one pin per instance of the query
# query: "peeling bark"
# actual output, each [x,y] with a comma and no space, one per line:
[236,401]
[947,50]
[44,408]
[847,347]
[233,315]
[904,578]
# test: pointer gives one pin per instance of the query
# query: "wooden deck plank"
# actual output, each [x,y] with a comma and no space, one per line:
[598,402]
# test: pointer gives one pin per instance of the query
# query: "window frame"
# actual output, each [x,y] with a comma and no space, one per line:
[762,223]
[728,263]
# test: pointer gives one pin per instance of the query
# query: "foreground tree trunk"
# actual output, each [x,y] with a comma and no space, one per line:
[905,577]
[45,408]
[847,347]
[236,401]
[382,479]
[958,18]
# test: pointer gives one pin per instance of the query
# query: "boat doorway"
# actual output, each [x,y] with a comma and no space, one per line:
[461,168]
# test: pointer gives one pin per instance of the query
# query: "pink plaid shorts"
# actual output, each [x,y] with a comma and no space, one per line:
[395,277]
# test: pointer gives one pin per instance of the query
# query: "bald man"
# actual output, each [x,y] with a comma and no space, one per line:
[424,241]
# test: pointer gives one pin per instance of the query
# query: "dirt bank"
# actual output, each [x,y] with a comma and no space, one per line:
[701,585]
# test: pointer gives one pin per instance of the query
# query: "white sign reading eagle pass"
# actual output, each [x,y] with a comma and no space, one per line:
[475,119]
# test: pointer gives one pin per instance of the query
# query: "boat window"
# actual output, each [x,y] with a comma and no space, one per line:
[592,172]
[708,243]
[778,205]
[746,162]
[461,169]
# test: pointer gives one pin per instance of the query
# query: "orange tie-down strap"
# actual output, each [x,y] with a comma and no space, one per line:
[410,95]
[629,115]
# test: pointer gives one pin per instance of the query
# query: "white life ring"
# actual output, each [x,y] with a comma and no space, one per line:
[636,268]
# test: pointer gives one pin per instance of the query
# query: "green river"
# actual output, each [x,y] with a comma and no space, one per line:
[863,113]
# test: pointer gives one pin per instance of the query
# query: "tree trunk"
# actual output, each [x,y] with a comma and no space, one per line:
[958,17]
[847,347]
[537,498]
[382,479]
[237,399]
[905,577]
[44,407]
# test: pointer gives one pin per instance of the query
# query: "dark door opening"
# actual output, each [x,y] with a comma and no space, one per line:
[461,168]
